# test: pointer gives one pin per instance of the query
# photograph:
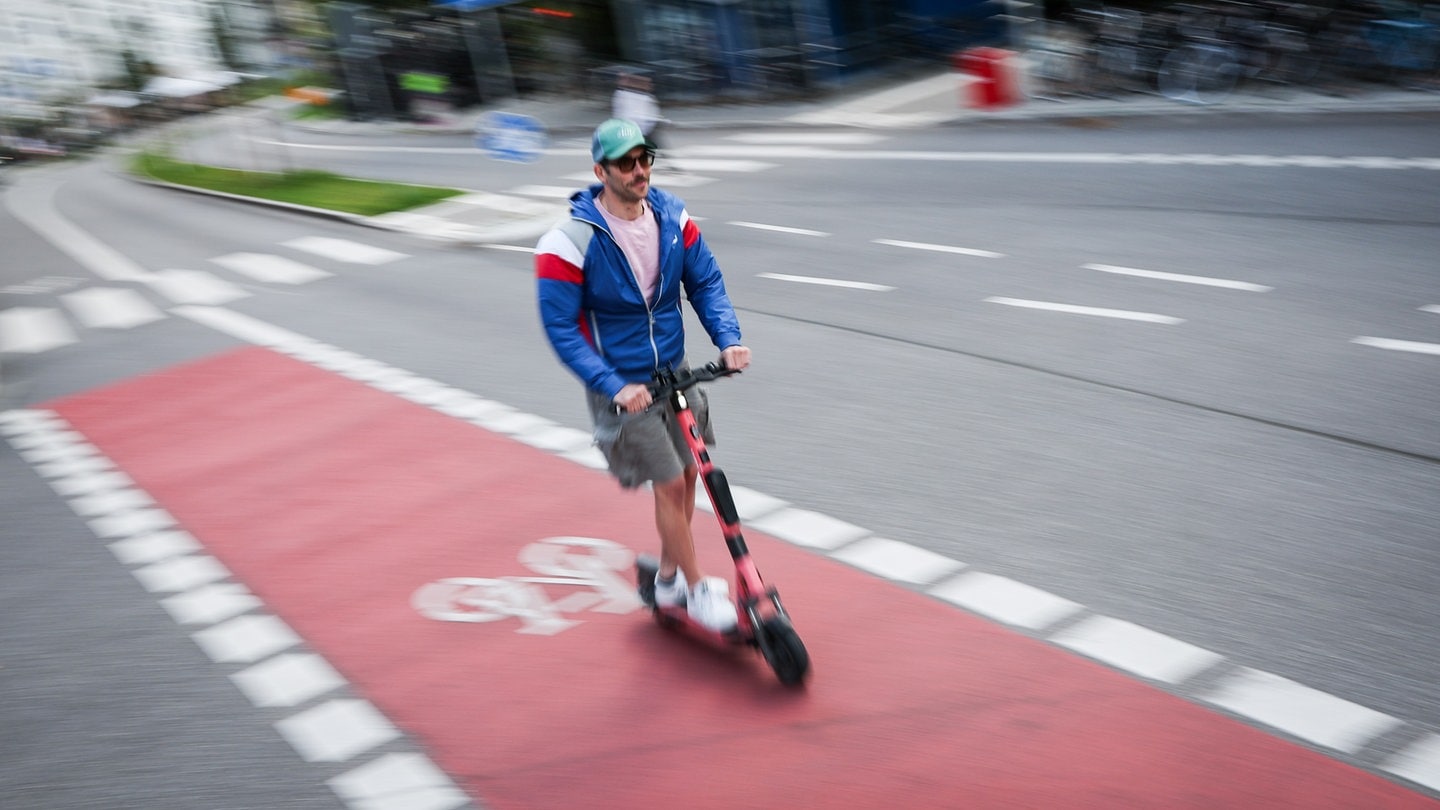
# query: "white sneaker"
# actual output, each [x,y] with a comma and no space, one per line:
[672,594]
[710,605]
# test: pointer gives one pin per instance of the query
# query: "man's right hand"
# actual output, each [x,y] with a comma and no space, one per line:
[633,398]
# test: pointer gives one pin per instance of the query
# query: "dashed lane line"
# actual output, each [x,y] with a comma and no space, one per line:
[328,723]
[111,308]
[146,536]
[268,269]
[963,251]
[1398,345]
[1180,277]
[826,282]
[30,330]
[784,151]
[344,250]
[760,226]
[1073,309]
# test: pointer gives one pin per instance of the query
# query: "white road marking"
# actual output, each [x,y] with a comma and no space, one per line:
[895,560]
[1136,649]
[170,561]
[111,308]
[336,731]
[180,574]
[268,269]
[194,287]
[1306,713]
[209,604]
[548,192]
[287,680]
[1180,277]
[827,282]
[28,330]
[115,500]
[810,529]
[783,151]
[344,250]
[38,211]
[1430,308]
[1005,600]
[813,138]
[1072,309]
[984,254]
[153,547]
[1342,725]
[89,482]
[246,639]
[398,782]
[1419,762]
[1398,345]
[127,524]
[778,228]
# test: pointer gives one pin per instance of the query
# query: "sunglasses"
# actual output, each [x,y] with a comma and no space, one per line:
[627,163]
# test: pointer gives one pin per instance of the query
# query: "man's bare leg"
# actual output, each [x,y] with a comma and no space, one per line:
[674,510]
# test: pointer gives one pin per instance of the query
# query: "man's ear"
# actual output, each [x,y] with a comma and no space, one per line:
[599,172]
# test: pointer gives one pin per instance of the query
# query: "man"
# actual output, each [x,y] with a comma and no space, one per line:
[609,283]
[635,101]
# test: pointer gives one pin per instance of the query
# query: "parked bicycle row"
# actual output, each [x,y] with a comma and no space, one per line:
[1201,52]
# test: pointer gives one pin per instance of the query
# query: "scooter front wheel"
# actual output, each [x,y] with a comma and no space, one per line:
[784,651]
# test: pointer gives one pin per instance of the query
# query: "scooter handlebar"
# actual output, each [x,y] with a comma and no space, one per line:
[667,382]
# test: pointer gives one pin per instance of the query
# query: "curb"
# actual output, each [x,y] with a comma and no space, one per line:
[422,225]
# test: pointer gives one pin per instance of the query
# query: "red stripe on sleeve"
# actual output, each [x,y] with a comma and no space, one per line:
[548,265]
[691,232]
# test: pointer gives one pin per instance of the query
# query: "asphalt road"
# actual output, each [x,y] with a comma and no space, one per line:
[1205,451]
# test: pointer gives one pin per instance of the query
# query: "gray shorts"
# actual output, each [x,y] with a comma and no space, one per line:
[646,446]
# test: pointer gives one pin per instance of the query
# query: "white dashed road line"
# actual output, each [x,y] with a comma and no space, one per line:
[1137,650]
[1300,711]
[760,226]
[268,269]
[28,330]
[1398,345]
[344,250]
[169,561]
[111,308]
[985,254]
[826,282]
[226,621]
[1180,277]
[1073,309]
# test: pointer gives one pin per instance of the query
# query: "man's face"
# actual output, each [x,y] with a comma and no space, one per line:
[627,184]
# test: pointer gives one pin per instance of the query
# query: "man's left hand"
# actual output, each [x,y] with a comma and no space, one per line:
[735,357]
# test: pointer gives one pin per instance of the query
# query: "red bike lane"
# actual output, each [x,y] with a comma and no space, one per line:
[336,503]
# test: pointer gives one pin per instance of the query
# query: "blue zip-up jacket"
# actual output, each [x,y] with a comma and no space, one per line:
[592,308]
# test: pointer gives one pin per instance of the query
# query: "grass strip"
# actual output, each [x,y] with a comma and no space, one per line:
[306,187]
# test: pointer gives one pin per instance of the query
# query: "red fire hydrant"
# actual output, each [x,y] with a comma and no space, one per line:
[993,83]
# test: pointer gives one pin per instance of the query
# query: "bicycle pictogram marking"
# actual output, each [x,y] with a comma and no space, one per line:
[589,563]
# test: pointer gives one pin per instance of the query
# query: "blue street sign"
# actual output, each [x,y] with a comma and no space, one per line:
[473,5]
[510,136]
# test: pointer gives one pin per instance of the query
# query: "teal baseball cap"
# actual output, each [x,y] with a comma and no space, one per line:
[615,137]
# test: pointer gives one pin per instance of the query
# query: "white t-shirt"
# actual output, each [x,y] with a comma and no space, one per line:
[642,108]
[639,239]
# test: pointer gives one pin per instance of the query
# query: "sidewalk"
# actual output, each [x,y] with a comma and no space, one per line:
[936,100]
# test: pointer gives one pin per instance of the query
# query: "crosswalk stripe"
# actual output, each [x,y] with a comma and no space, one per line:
[812,138]
[344,250]
[111,308]
[551,192]
[194,287]
[26,330]
[269,269]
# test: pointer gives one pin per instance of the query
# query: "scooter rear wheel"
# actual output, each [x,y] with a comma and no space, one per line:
[784,651]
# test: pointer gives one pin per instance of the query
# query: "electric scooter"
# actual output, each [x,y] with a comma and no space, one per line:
[762,621]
